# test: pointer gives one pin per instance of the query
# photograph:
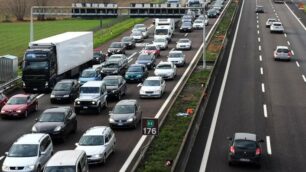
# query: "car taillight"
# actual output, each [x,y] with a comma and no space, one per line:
[232,149]
[258,151]
[289,53]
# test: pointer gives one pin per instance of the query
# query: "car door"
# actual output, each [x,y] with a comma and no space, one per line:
[137,113]
[107,144]
[47,149]
[163,84]
[30,103]
[69,122]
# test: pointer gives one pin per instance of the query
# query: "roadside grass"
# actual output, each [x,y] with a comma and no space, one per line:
[167,144]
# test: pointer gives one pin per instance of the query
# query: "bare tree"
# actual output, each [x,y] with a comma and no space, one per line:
[17,8]
[41,3]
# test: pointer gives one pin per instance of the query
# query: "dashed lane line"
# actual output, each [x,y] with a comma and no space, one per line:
[260,58]
[265,111]
[288,43]
[263,87]
[258,39]
[186,34]
[257,32]
[303,76]
[285,35]
[297,63]
[259,48]
[261,71]
[269,149]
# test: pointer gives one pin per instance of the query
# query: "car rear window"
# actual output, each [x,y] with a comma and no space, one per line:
[245,144]
[282,50]
[277,24]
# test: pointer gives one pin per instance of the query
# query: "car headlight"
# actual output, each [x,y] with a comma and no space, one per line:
[47,84]
[58,128]
[111,120]
[3,111]
[114,91]
[93,102]
[130,43]
[148,63]
[52,96]
[157,91]
[141,91]
[5,168]
[130,120]
[66,95]
[19,111]
[29,167]
[78,102]
[79,81]
[97,156]
[34,129]
[139,76]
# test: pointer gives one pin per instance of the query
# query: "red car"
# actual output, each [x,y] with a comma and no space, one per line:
[19,105]
[152,49]
[3,100]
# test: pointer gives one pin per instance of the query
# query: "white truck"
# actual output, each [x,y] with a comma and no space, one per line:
[48,60]
[164,28]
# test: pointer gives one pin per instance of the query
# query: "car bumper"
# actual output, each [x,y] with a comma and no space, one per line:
[276,30]
[122,124]
[18,170]
[249,160]
[165,76]
[85,107]
[133,79]
[12,114]
[185,30]
[93,160]
[282,58]
[178,63]
[153,95]
[60,99]
[183,48]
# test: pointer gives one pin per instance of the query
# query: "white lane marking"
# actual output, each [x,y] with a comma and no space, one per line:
[186,34]
[218,105]
[256,17]
[258,39]
[260,58]
[263,87]
[172,49]
[1,157]
[150,26]
[303,76]
[257,26]
[285,35]
[292,52]
[288,43]
[259,48]
[297,63]
[274,10]
[258,32]
[296,17]
[257,21]
[269,149]
[132,55]
[39,96]
[265,111]
[261,71]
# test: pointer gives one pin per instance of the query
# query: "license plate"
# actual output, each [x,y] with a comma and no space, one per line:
[120,124]
[244,160]
[35,89]
[58,98]
[85,107]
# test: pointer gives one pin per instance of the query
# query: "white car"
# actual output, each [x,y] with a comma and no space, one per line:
[137,36]
[153,86]
[198,24]
[142,28]
[167,70]
[162,43]
[269,21]
[276,27]
[176,57]
[282,53]
[98,142]
[29,153]
[183,44]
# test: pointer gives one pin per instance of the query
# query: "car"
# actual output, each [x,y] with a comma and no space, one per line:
[137,36]
[183,44]
[146,59]
[205,18]
[186,27]
[115,86]
[259,9]
[126,113]
[176,57]
[212,13]
[65,90]
[129,42]
[136,73]
[270,21]
[58,122]
[141,27]
[166,70]
[153,86]
[186,18]
[277,27]
[218,9]
[198,24]
[121,57]
[116,48]
[98,57]
[282,53]
[93,96]
[98,142]
[89,74]
[151,49]
[30,152]
[20,105]
[113,67]
[162,43]
[244,148]
[3,100]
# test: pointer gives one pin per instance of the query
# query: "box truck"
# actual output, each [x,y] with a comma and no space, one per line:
[48,60]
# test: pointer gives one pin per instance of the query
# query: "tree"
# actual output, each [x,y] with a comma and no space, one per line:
[41,3]
[18,8]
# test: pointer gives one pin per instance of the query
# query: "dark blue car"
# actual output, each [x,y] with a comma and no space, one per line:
[146,59]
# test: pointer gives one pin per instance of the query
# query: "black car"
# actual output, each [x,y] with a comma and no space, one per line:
[129,42]
[113,67]
[244,148]
[98,57]
[186,27]
[116,48]
[115,86]
[136,73]
[65,90]
[146,59]
[58,122]
[212,13]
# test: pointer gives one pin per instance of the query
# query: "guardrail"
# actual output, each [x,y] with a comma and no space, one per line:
[10,84]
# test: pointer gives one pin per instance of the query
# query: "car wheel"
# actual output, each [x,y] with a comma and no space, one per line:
[36,107]
[119,96]
[104,159]
[38,169]
[77,111]
[105,104]
[99,109]
[26,114]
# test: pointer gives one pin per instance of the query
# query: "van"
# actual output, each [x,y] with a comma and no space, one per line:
[165,22]
[67,160]
[163,32]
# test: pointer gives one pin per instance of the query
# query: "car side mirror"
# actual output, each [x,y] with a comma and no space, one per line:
[229,138]
[77,144]
[6,153]
[36,119]
[42,153]
[139,85]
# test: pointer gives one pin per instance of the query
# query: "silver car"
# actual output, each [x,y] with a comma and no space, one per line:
[137,35]
[183,44]
[276,27]
[162,43]
[176,57]
[270,21]
[282,53]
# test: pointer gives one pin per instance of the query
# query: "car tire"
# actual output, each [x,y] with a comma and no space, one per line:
[38,169]
[36,107]
[105,104]
[26,114]
[104,159]
[99,109]
[77,111]
[230,163]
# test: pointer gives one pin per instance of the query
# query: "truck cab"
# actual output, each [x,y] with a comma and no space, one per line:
[163,32]
[93,96]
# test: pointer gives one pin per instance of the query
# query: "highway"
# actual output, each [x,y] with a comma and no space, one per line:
[259,95]
[126,138]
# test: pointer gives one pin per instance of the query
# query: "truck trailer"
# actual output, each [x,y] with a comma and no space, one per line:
[51,59]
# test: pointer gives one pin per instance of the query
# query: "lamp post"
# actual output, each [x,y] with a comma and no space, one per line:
[204,42]
[31,26]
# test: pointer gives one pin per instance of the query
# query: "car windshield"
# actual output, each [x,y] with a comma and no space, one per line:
[116,45]
[111,65]
[137,26]
[135,69]
[282,50]
[52,117]
[62,86]
[272,20]
[277,24]
[198,21]
[161,32]
[183,41]
[126,39]
[124,109]
[175,55]
[144,57]
[88,90]
[88,74]
[17,101]
[150,48]
[97,54]
[36,65]
[111,82]
[91,140]
[23,150]
[186,24]
[151,83]
[136,33]
[164,66]
[60,169]
[245,144]
[115,57]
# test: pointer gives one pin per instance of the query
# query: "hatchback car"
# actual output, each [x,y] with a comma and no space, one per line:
[136,73]
[244,148]
[98,57]
[153,86]
[126,113]
[282,53]
[212,13]
[115,86]
[146,59]
[89,74]
[19,105]
[98,142]
[116,48]
[176,57]
[152,49]
[183,44]
[186,27]
[144,31]
[270,21]
[167,70]
[198,24]
[65,90]
[162,43]
[29,153]
[129,42]
[137,36]
[3,100]
[58,122]
[276,27]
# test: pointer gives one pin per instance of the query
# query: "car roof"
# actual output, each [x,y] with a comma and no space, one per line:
[113,60]
[282,47]
[116,43]
[245,136]
[64,158]
[58,109]
[92,84]
[21,95]
[127,102]
[32,138]
[175,51]
[67,81]
[276,22]
[272,19]
[89,69]
[96,130]
[112,77]
[136,65]
[153,78]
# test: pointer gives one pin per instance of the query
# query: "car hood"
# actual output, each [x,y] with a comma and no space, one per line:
[150,88]
[112,87]
[60,93]
[183,44]
[133,73]
[14,107]
[92,150]
[88,96]
[121,116]
[143,61]
[19,161]
[163,71]
[47,126]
